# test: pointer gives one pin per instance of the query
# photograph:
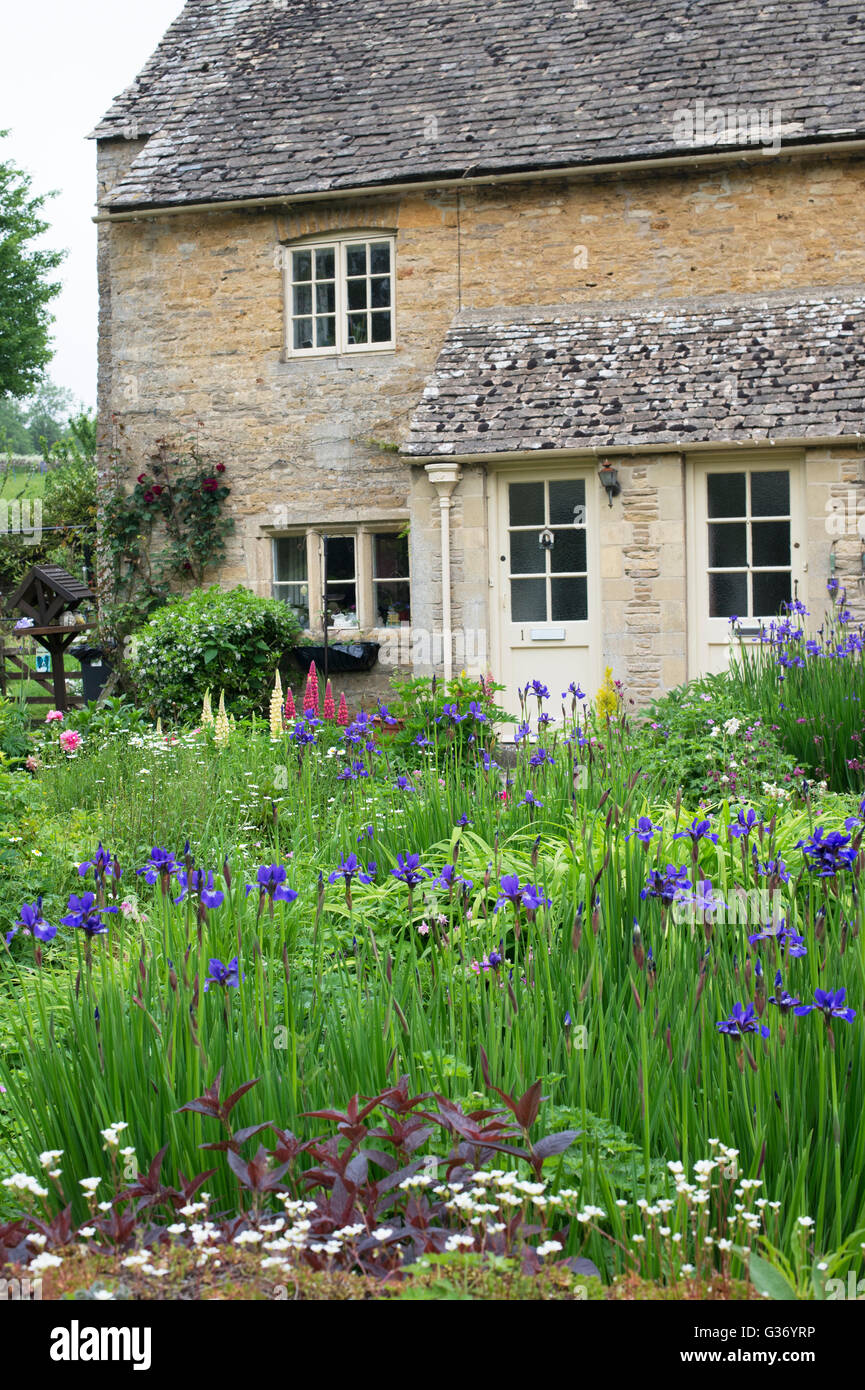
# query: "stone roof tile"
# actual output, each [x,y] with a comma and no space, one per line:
[643,373]
[255,98]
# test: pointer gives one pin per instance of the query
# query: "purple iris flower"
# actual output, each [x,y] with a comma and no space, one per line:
[644,830]
[513,892]
[271,882]
[421,741]
[31,920]
[543,755]
[161,865]
[531,800]
[198,883]
[385,715]
[523,731]
[227,976]
[350,868]
[745,822]
[304,730]
[475,712]
[451,712]
[102,865]
[704,898]
[409,870]
[538,688]
[831,1005]
[574,689]
[783,999]
[741,1021]
[826,853]
[779,932]
[698,830]
[772,868]
[84,913]
[449,879]
[666,884]
[404,785]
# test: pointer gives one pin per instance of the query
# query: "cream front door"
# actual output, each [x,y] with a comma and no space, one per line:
[545,582]
[746,548]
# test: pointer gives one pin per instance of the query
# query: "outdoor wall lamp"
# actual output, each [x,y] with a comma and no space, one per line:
[610,481]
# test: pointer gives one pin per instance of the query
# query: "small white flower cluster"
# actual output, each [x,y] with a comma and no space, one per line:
[22,1182]
[111,1135]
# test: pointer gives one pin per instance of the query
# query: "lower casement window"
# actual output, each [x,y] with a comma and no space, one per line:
[361,575]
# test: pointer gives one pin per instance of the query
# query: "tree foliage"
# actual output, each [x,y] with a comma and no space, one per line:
[26,287]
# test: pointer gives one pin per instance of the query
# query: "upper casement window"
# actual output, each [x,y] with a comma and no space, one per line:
[340,296]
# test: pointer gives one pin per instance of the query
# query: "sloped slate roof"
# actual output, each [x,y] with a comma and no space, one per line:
[644,373]
[253,98]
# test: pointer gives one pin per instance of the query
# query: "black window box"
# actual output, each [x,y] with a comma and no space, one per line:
[342,657]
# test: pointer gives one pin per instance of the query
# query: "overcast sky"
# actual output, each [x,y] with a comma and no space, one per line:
[63,63]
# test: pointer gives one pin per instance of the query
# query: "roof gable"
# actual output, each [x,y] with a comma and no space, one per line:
[252,98]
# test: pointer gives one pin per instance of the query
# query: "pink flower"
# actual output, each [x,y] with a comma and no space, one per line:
[53,715]
[70,739]
[423,928]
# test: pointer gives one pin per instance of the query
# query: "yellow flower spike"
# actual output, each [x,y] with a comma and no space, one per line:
[276,708]
[607,700]
[206,711]
[222,729]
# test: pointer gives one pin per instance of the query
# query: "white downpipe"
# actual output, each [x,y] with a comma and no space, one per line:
[447,638]
[444,478]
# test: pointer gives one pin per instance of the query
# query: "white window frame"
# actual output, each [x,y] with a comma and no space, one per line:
[362,536]
[339,245]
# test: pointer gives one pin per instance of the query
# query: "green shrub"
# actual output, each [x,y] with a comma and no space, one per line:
[15,741]
[211,640]
[708,739]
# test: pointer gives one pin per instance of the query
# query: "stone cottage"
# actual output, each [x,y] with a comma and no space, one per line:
[531,334]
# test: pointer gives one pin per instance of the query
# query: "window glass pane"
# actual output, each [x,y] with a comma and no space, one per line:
[380,293]
[357,330]
[565,496]
[770,543]
[390,556]
[569,600]
[355,258]
[303,333]
[357,294]
[325,299]
[726,494]
[527,557]
[770,591]
[728,545]
[770,494]
[392,602]
[297,597]
[340,557]
[325,264]
[528,600]
[303,299]
[290,558]
[728,595]
[341,589]
[302,265]
[379,255]
[569,552]
[325,332]
[526,502]
[381,330]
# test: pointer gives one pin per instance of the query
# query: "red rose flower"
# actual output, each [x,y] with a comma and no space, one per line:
[148,496]
[209,485]
[142,477]
[220,468]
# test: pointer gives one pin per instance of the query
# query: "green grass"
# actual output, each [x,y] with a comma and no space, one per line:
[344,994]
